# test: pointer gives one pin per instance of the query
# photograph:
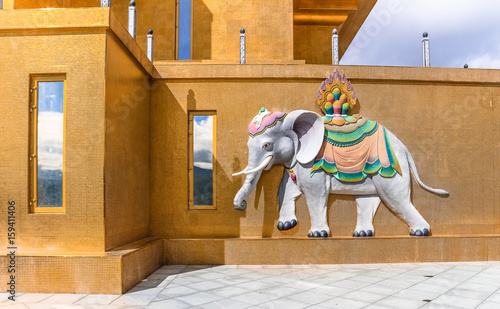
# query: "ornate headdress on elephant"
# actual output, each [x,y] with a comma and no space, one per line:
[336,98]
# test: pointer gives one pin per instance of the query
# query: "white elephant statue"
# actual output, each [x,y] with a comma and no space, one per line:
[294,140]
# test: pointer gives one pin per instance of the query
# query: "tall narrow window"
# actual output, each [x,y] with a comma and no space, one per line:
[202,160]
[184,13]
[46,160]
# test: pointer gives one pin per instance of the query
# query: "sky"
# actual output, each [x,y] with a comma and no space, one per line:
[460,31]
[50,125]
[203,141]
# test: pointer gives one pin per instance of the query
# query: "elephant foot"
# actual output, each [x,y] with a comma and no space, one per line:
[367,233]
[287,225]
[318,234]
[419,233]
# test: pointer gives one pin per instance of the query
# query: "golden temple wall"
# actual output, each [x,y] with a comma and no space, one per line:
[158,15]
[81,56]
[424,107]
[127,146]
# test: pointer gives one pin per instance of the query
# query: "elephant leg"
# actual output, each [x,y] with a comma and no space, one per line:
[316,193]
[395,193]
[287,193]
[367,207]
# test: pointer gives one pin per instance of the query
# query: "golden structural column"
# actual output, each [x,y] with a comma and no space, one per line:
[8,4]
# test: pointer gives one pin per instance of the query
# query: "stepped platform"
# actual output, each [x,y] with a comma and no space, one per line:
[333,250]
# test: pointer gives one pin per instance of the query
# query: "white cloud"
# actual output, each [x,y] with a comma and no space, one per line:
[50,140]
[459,31]
[203,142]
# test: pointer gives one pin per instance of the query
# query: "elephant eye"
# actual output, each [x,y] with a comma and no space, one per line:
[266,146]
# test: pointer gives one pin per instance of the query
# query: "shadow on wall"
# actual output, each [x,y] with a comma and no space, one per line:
[201,45]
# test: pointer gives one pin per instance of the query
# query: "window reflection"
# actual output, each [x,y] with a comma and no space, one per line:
[203,156]
[50,129]
[184,30]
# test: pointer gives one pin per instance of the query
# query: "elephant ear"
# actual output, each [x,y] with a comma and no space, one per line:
[310,132]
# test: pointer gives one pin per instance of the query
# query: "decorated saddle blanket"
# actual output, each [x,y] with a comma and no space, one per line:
[352,151]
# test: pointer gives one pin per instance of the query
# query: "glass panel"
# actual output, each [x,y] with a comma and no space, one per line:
[50,144]
[184,29]
[203,160]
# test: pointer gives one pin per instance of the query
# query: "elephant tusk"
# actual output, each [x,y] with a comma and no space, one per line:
[261,166]
[242,172]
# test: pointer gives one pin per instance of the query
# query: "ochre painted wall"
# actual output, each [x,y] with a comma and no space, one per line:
[79,55]
[216,28]
[425,108]
[127,146]
[268,25]
[34,4]
[158,15]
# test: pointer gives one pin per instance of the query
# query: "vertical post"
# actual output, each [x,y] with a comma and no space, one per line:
[131,19]
[335,47]
[150,45]
[242,46]
[426,58]
[105,3]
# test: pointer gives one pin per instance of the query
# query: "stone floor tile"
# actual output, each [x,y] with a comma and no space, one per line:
[350,284]
[133,299]
[469,293]
[254,285]
[310,297]
[283,303]
[233,271]
[168,303]
[99,299]
[382,289]
[488,305]
[280,291]
[366,278]
[401,284]
[333,291]
[211,275]
[150,283]
[229,291]
[199,298]
[226,303]
[172,292]
[365,296]
[206,285]
[13,306]
[156,275]
[495,297]
[457,301]
[254,298]
[343,303]
[32,297]
[304,285]
[232,280]
[63,299]
[318,307]
[432,305]
[416,294]
[477,286]
[399,302]
[54,306]
[137,290]
[426,286]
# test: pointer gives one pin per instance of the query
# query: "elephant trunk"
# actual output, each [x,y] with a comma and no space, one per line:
[247,188]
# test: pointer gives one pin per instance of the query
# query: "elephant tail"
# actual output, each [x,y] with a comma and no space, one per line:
[414,173]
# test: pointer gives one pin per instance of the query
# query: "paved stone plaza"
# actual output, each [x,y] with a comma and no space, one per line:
[424,285]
